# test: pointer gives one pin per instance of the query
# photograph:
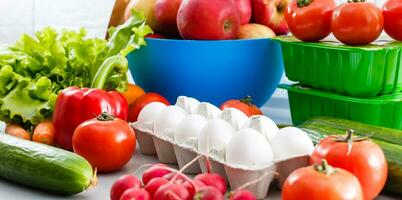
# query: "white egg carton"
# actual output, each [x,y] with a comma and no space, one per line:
[242,149]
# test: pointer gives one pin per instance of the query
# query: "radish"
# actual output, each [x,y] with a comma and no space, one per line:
[135,194]
[157,170]
[154,184]
[194,186]
[208,193]
[175,178]
[181,179]
[242,195]
[122,184]
[172,191]
[214,180]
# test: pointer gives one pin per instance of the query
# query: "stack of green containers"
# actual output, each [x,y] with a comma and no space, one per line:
[358,83]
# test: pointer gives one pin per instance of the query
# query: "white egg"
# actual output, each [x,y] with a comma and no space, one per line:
[291,142]
[214,136]
[234,117]
[248,148]
[262,124]
[166,123]
[189,129]
[208,110]
[151,111]
[187,103]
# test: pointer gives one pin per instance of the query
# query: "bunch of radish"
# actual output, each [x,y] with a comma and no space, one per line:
[160,182]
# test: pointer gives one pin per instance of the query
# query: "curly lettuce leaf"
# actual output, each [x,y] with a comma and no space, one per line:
[35,69]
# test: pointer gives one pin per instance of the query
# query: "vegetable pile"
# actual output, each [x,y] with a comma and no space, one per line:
[35,69]
[160,182]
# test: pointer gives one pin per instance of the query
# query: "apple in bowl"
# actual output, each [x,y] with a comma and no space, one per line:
[271,13]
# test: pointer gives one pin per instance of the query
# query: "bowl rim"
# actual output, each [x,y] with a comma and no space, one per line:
[208,41]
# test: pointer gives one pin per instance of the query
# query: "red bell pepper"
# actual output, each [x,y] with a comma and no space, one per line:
[75,105]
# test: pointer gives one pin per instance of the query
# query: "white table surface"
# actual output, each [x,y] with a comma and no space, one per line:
[277,108]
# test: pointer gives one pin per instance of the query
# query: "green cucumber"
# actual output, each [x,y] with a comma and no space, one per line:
[43,167]
[388,139]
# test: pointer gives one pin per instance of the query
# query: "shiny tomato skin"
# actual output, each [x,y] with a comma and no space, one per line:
[392,12]
[366,161]
[107,145]
[255,110]
[136,107]
[307,183]
[358,23]
[312,22]
[234,103]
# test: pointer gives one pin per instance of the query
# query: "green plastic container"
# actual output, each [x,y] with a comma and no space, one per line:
[306,103]
[363,71]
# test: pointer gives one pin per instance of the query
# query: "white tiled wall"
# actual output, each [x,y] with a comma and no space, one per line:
[27,16]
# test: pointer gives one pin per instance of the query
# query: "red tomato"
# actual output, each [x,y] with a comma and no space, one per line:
[136,107]
[106,142]
[321,182]
[365,160]
[357,23]
[245,105]
[310,20]
[392,11]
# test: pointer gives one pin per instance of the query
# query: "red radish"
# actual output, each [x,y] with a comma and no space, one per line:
[157,170]
[122,184]
[172,191]
[154,184]
[194,186]
[135,194]
[208,193]
[242,195]
[180,179]
[214,180]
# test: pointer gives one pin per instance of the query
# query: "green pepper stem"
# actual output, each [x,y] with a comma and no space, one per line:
[117,62]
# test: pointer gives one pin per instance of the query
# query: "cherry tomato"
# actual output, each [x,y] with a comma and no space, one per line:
[136,107]
[357,23]
[392,11]
[245,105]
[132,93]
[106,142]
[320,182]
[363,158]
[310,20]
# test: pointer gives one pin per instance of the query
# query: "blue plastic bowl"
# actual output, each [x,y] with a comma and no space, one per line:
[211,71]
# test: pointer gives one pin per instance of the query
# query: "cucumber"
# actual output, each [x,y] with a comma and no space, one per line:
[43,167]
[388,139]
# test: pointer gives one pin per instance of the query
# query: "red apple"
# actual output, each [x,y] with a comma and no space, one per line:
[253,31]
[166,15]
[271,13]
[208,20]
[147,7]
[244,7]
[156,35]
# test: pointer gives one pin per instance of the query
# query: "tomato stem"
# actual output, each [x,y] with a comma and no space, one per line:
[104,116]
[247,100]
[350,139]
[324,167]
[303,3]
[355,1]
